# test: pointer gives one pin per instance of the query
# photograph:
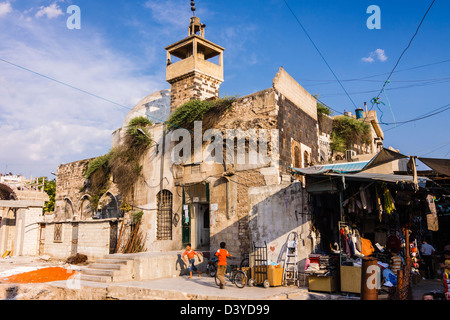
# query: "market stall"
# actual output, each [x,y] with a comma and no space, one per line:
[359,215]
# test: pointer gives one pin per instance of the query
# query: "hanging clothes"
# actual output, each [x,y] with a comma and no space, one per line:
[362,194]
[379,206]
[345,244]
[369,201]
[358,240]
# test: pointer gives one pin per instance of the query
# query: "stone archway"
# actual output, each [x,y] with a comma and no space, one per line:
[6,193]
[85,210]
[68,209]
[109,206]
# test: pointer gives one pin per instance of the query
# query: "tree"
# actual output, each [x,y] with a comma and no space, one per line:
[50,189]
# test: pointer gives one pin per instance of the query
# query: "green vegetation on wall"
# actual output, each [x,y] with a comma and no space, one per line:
[323,110]
[122,162]
[347,132]
[195,110]
[50,189]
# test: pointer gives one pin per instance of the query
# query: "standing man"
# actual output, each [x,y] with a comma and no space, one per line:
[427,252]
[222,254]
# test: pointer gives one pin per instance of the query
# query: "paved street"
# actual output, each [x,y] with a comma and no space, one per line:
[177,288]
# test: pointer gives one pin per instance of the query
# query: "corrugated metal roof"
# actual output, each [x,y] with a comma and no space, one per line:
[345,167]
[364,176]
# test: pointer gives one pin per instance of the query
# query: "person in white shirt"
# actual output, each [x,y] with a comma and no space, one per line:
[427,252]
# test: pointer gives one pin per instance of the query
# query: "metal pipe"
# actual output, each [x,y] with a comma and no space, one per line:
[369,276]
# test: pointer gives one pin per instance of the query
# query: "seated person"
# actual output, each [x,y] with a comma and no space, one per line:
[389,278]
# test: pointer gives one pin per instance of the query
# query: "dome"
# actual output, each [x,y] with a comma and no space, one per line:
[155,106]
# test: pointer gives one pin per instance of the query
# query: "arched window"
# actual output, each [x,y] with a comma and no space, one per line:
[297,157]
[110,208]
[68,209]
[164,220]
[305,159]
[86,211]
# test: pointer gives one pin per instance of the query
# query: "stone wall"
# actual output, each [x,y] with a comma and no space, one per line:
[69,184]
[276,211]
[93,239]
[194,85]
[27,230]
[295,125]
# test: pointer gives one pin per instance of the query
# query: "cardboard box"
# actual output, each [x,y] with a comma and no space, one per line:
[351,279]
[323,284]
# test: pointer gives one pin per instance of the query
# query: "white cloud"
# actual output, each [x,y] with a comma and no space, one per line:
[52,11]
[5,8]
[43,123]
[378,54]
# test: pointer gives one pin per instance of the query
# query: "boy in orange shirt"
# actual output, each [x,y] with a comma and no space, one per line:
[222,254]
[191,256]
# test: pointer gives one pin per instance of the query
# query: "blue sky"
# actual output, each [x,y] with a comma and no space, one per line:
[119,54]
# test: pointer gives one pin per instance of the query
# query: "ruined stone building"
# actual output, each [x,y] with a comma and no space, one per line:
[194,200]
[21,205]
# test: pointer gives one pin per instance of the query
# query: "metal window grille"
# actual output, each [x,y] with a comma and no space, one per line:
[58,233]
[164,222]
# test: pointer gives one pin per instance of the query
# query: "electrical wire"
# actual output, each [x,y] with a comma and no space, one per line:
[320,53]
[424,116]
[407,47]
[434,82]
[440,147]
[376,100]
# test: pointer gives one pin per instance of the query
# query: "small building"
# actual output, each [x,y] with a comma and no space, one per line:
[21,210]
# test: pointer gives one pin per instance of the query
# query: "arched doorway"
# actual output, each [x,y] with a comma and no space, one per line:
[6,193]
[109,206]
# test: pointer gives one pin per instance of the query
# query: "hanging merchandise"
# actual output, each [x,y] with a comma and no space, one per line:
[388,202]
[379,206]
[362,194]
[366,247]
[432,218]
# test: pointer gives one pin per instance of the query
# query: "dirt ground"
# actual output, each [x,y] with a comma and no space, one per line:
[9,263]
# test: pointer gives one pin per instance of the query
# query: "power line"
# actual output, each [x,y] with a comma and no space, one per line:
[87,92]
[376,101]
[407,47]
[321,55]
[440,147]
[367,80]
[434,82]
[425,116]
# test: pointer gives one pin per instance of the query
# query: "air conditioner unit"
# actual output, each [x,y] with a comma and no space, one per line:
[350,154]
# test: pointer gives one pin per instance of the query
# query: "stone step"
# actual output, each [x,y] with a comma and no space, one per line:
[105,266]
[87,277]
[99,272]
[113,261]
[127,257]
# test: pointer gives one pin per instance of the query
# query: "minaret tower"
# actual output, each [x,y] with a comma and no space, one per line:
[190,70]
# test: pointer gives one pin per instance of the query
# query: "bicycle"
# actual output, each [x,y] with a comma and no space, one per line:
[212,267]
[235,276]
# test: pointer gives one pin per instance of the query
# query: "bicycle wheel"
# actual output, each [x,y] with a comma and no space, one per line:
[239,278]
[217,280]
